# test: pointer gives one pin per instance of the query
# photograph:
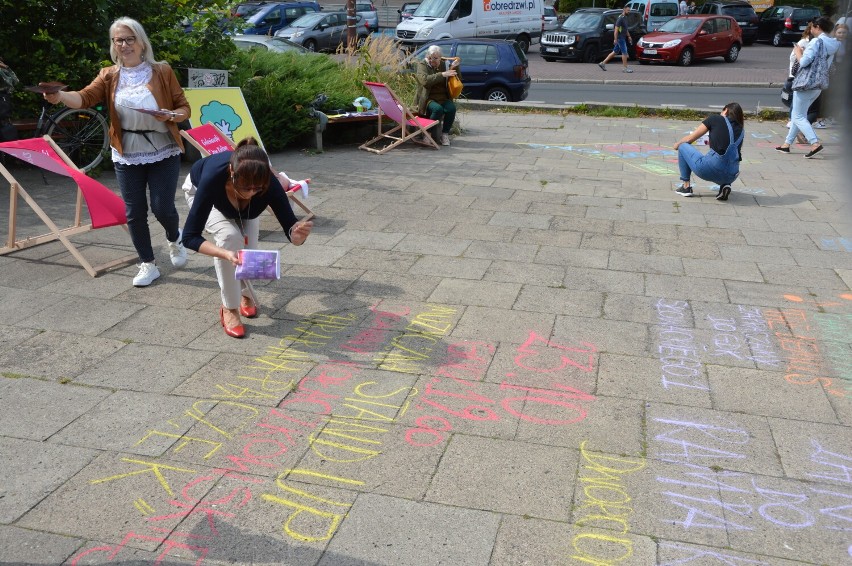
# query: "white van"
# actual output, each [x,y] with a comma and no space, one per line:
[655,12]
[520,20]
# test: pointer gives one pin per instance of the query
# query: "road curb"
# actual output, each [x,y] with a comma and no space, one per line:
[767,113]
[660,83]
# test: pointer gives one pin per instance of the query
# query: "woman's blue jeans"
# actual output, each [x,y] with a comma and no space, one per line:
[447,110]
[709,166]
[802,100]
[135,181]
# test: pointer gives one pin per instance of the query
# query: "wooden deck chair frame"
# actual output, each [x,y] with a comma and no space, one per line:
[408,126]
[204,153]
[56,233]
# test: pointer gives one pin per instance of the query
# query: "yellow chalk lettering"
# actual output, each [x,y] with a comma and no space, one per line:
[366,454]
[436,330]
[588,488]
[360,412]
[316,474]
[352,427]
[185,440]
[360,393]
[232,391]
[269,384]
[153,468]
[598,460]
[393,366]
[334,519]
[582,521]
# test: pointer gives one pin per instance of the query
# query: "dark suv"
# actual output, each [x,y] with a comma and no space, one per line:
[741,11]
[587,35]
[783,25]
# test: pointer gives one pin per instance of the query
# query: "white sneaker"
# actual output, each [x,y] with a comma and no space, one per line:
[177,252]
[819,124]
[445,139]
[788,125]
[148,272]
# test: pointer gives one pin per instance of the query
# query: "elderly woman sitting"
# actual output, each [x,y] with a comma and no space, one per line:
[433,97]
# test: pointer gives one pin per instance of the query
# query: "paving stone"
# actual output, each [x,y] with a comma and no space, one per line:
[558,301]
[461,268]
[482,293]
[20,304]
[412,533]
[758,392]
[643,378]
[594,259]
[22,546]
[600,333]
[56,355]
[501,325]
[552,237]
[670,553]
[722,269]
[32,471]
[686,288]
[813,451]
[502,251]
[644,263]
[506,474]
[127,422]
[362,239]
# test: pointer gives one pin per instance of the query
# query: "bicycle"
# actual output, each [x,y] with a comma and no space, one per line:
[82,133]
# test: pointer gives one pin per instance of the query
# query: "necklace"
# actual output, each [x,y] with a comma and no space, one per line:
[239,213]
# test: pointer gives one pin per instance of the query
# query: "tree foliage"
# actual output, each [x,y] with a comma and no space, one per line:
[68,41]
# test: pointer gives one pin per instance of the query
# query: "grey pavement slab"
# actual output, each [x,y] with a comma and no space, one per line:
[521,349]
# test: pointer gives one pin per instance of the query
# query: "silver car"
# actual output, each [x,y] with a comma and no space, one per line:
[266,43]
[550,20]
[323,31]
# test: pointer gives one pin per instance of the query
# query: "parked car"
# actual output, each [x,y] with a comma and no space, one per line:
[655,12]
[270,18]
[267,43]
[323,31]
[684,39]
[491,69]
[365,9]
[245,9]
[783,25]
[587,35]
[550,20]
[407,10]
[741,11]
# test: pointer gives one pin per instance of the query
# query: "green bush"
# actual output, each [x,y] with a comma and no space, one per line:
[279,87]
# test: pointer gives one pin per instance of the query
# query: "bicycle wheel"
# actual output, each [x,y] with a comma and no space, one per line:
[82,134]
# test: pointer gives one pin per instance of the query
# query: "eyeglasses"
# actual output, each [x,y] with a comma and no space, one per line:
[129,40]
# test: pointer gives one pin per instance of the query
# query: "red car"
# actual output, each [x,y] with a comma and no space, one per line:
[684,39]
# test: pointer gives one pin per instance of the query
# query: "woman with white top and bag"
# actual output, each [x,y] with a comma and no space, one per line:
[811,79]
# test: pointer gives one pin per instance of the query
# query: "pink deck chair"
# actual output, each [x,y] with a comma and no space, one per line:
[409,127]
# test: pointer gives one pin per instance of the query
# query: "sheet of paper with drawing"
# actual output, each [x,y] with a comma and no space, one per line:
[259,264]
[157,113]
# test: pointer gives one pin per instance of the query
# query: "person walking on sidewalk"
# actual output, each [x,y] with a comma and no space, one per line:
[622,38]
[722,163]
[146,147]
[819,52]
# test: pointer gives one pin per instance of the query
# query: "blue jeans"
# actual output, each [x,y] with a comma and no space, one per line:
[709,166]
[802,100]
[160,179]
[447,110]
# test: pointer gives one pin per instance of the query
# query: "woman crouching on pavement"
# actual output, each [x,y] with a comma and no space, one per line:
[226,193]
[722,163]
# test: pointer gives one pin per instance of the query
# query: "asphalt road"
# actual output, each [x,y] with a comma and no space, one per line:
[751,99]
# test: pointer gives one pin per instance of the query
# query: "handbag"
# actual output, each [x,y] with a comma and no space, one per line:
[815,75]
[787,93]
[454,84]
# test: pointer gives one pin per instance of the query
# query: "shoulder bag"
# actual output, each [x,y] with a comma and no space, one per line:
[815,75]
[454,84]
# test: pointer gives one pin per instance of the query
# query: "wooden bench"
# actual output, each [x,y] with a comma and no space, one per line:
[357,122]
